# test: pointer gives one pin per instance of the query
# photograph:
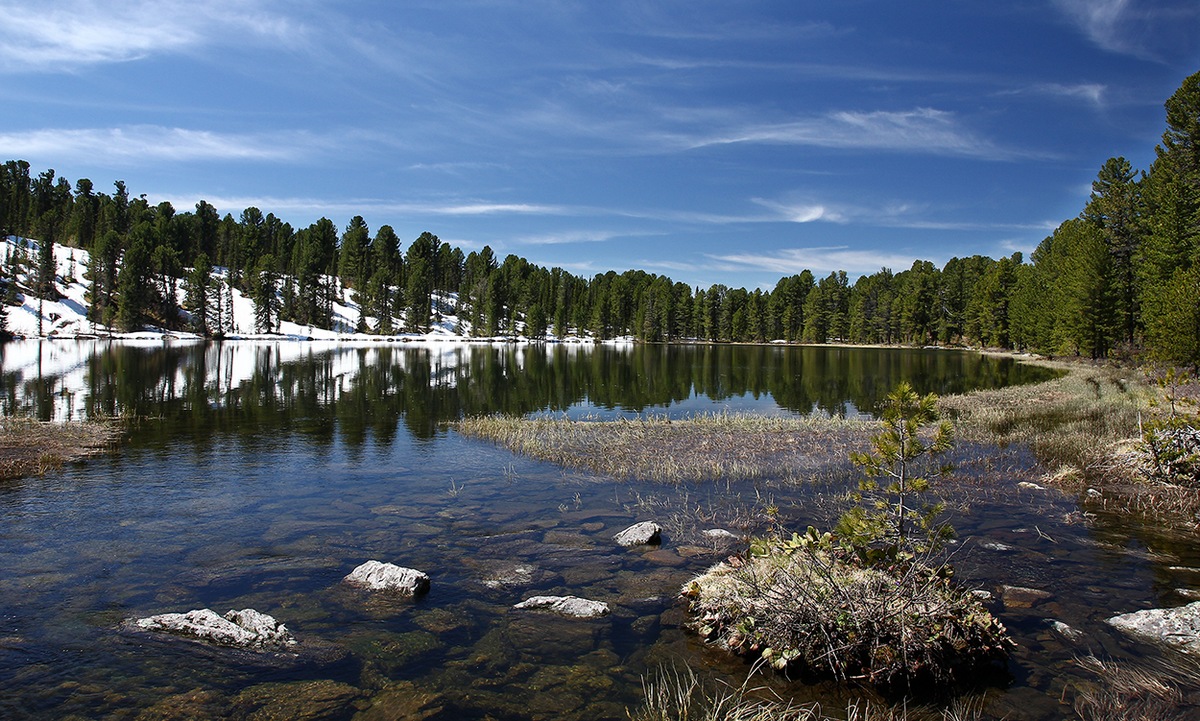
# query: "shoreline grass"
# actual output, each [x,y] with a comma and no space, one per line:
[30,447]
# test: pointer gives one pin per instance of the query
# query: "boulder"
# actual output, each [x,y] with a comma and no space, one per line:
[1178,627]
[378,576]
[639,534]
[247,628]
[566,606]
[1022,597]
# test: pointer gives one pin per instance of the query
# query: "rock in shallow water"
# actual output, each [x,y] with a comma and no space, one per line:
[639,534]
[566,605]
[240,629]
[1178,627]
[378,576]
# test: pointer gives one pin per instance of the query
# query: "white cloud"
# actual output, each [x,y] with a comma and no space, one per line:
[137,144]
[312,207]
[921,130]
[569,237]
[1093,93]
[821,260]
[1146,29]
[1099,19]
[70,33]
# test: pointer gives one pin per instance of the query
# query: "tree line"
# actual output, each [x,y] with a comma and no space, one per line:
[1120,278]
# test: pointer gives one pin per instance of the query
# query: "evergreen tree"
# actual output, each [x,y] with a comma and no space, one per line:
[199,289]
[1113,208]
[134,287]
[353,255]
[420,273]
[264,293]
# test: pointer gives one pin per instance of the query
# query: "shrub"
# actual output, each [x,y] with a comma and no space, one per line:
[867,605]
[805,605]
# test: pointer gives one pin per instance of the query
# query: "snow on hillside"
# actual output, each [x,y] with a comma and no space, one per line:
[36,372]
[67,317]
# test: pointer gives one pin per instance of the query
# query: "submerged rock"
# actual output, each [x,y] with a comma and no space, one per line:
[1178,627]
[378,576]
[720,534]
[1022,597]
[566,606]
[640,534]
[247,628]
[1065,630]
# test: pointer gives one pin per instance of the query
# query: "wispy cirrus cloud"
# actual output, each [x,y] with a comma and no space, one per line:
[921,130]
[577,236]
[820,260]
[71,33]
[1092,93]
[1146,29]
[314,207]
[151,143]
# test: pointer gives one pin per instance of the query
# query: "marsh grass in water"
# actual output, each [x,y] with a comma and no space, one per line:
[29,447]
[723,445]
[1072,421]
[674,695]
[1122,690]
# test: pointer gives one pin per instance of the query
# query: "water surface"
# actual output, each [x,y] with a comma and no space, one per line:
[258,475]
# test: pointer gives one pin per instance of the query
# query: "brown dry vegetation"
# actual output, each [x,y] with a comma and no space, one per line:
[725,446]
[29,447]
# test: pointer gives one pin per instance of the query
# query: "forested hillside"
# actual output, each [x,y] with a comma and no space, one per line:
[1122,277]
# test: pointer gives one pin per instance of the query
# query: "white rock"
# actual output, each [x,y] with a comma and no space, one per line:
[639,534]
[720,534]
[378,576]
[566,606]
[1178,627]
[242,629]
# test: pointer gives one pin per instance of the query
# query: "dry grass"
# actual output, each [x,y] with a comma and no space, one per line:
[674,695]
[1122,692]
[29,447]
[726,446]
[1073,421]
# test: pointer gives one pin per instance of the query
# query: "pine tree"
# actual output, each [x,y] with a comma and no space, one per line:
[264,294]
[197,299]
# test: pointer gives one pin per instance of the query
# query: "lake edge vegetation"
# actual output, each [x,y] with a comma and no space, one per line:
[30,447]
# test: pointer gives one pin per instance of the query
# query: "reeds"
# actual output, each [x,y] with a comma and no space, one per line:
[723,445]
[29,447]
[674,695]
[1123,691]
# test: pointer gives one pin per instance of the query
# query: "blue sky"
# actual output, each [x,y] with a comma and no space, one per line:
[730,142]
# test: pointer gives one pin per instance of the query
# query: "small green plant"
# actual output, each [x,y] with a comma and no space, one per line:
[891,520]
